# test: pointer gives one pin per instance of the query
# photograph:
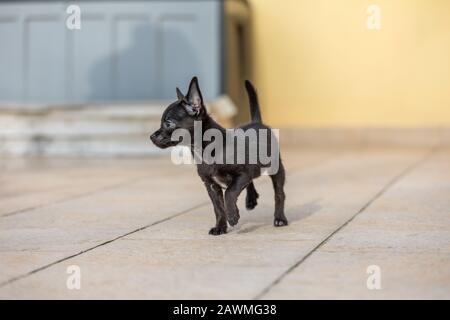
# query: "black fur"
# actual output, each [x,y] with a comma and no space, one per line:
[236,177]
[253,101]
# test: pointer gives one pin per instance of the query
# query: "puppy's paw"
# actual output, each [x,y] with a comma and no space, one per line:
[251,202]
[280,222]
[233,219]
[218,231]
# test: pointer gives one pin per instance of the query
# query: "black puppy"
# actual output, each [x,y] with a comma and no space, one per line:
[231,177]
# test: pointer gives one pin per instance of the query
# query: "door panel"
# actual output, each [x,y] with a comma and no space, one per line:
[125,51]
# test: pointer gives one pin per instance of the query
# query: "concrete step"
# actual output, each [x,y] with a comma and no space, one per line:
[80,130]
[108,145]
[88,130]
[81,122]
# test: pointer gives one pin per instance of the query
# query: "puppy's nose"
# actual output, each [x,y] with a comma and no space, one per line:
[153,136]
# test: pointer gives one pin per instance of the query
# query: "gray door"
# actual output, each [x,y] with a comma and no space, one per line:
[124,51]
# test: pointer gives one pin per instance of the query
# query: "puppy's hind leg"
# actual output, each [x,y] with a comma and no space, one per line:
[251,200]
[278,180]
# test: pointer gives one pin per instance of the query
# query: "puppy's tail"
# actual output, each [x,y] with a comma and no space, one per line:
[254,105]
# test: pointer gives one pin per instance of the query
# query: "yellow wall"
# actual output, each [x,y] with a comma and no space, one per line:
[316,64]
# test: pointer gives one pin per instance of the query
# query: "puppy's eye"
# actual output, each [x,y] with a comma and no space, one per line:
[169,125]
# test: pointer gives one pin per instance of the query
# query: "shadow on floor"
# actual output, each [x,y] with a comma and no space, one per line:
[293,214]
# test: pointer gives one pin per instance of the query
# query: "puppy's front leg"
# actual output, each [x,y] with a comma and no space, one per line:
[278,185]
[216,195]
[231,194]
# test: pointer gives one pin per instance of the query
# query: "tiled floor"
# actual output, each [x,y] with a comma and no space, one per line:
[138,228]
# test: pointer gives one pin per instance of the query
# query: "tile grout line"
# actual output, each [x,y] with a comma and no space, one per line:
[14,279]
[101,244]
[386,187]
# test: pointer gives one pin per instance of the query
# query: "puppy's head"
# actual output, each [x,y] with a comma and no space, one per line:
[181,114]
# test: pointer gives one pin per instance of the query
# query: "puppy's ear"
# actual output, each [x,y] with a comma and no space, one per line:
[194,98]
[180,95]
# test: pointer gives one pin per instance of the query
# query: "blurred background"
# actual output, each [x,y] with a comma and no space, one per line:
[327,72]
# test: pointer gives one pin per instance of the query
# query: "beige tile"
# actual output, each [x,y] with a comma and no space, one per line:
[66,223]
[178,259]
[406,232]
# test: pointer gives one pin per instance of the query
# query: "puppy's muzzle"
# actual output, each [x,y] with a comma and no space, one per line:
[155,136]
[162,140]
[157,139]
